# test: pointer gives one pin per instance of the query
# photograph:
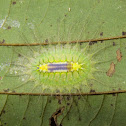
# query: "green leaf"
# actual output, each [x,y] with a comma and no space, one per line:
[94,23]
[94,110]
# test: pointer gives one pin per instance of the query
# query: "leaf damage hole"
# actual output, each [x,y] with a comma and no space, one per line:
[111,70]
[53,119]
[119,55]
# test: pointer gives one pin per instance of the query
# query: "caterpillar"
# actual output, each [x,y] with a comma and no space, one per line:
[59,67]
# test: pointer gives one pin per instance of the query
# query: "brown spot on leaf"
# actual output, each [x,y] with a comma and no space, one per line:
[123,33]
[111,104]
[119,55]
[92,91]
[101,34]
[113,43]
[53,119]
[24,118]
[9,27]
[92,43]
[14,2]
[68,104]
[111,70]
[19,55]
[6,90]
